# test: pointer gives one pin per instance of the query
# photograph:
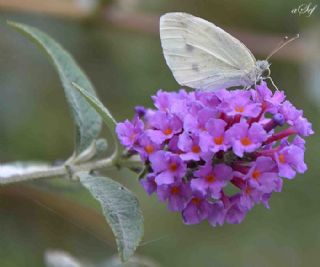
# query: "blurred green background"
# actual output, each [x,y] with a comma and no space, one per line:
[127,67]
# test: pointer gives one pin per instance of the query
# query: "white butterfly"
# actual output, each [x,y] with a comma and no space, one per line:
[203,56]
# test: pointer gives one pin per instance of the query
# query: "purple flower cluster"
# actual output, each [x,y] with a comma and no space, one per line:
[200,146]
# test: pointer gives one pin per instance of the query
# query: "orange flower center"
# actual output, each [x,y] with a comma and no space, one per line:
[282,158]
[218,140]
[256,174]
[196,201]
[210,178]
[239,109]
[195,149]
[167,131]
[245,141]
[175,190]
[149,149]
[173,167]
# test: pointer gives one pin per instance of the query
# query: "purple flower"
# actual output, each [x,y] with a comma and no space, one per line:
[163,100]
[140,111]
[128,132]
[146,147]
[290,160]
[238,102]
[149,184]
[197,124]
[180,108]
[164,127]
[210,180]
[303,126]
[263,176]
[208,99]
[249,197]
[185,104]
[168,167]
[196,210]
[270,102]
[214,140]
[177,195]
[217,213]
[245,139]
[189,145]
[300,142]
[196,144]
[253,195]
[290,113]
[230,212]
[173,145]
[234,213]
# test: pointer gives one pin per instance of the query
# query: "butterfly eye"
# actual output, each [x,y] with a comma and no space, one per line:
[264,68]
[266,73]
[263,65]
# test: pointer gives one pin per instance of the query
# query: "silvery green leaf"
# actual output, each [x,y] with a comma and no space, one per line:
[94,151]
[101,147]
[135,261]
[87,121]
[121,209]
[98,106]
[85,155]
[57,258]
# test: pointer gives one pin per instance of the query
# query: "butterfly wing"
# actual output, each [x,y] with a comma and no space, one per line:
[202,55]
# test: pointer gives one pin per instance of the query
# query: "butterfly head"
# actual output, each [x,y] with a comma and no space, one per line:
[262,69]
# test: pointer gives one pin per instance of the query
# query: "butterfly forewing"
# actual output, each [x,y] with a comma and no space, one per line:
[202,55]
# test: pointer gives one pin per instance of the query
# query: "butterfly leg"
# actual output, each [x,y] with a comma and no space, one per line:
[269,78]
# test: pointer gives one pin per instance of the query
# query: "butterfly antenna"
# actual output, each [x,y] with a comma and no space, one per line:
[283,43]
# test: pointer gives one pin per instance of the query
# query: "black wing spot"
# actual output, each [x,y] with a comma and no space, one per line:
[195,67]
[189,48]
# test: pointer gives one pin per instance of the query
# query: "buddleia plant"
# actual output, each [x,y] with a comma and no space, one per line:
[191,150]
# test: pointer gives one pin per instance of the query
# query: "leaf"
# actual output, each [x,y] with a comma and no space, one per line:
[104,113]
[135,261]
[121,209]
[101,146]
[87,121]
[98,106]
[96,150]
